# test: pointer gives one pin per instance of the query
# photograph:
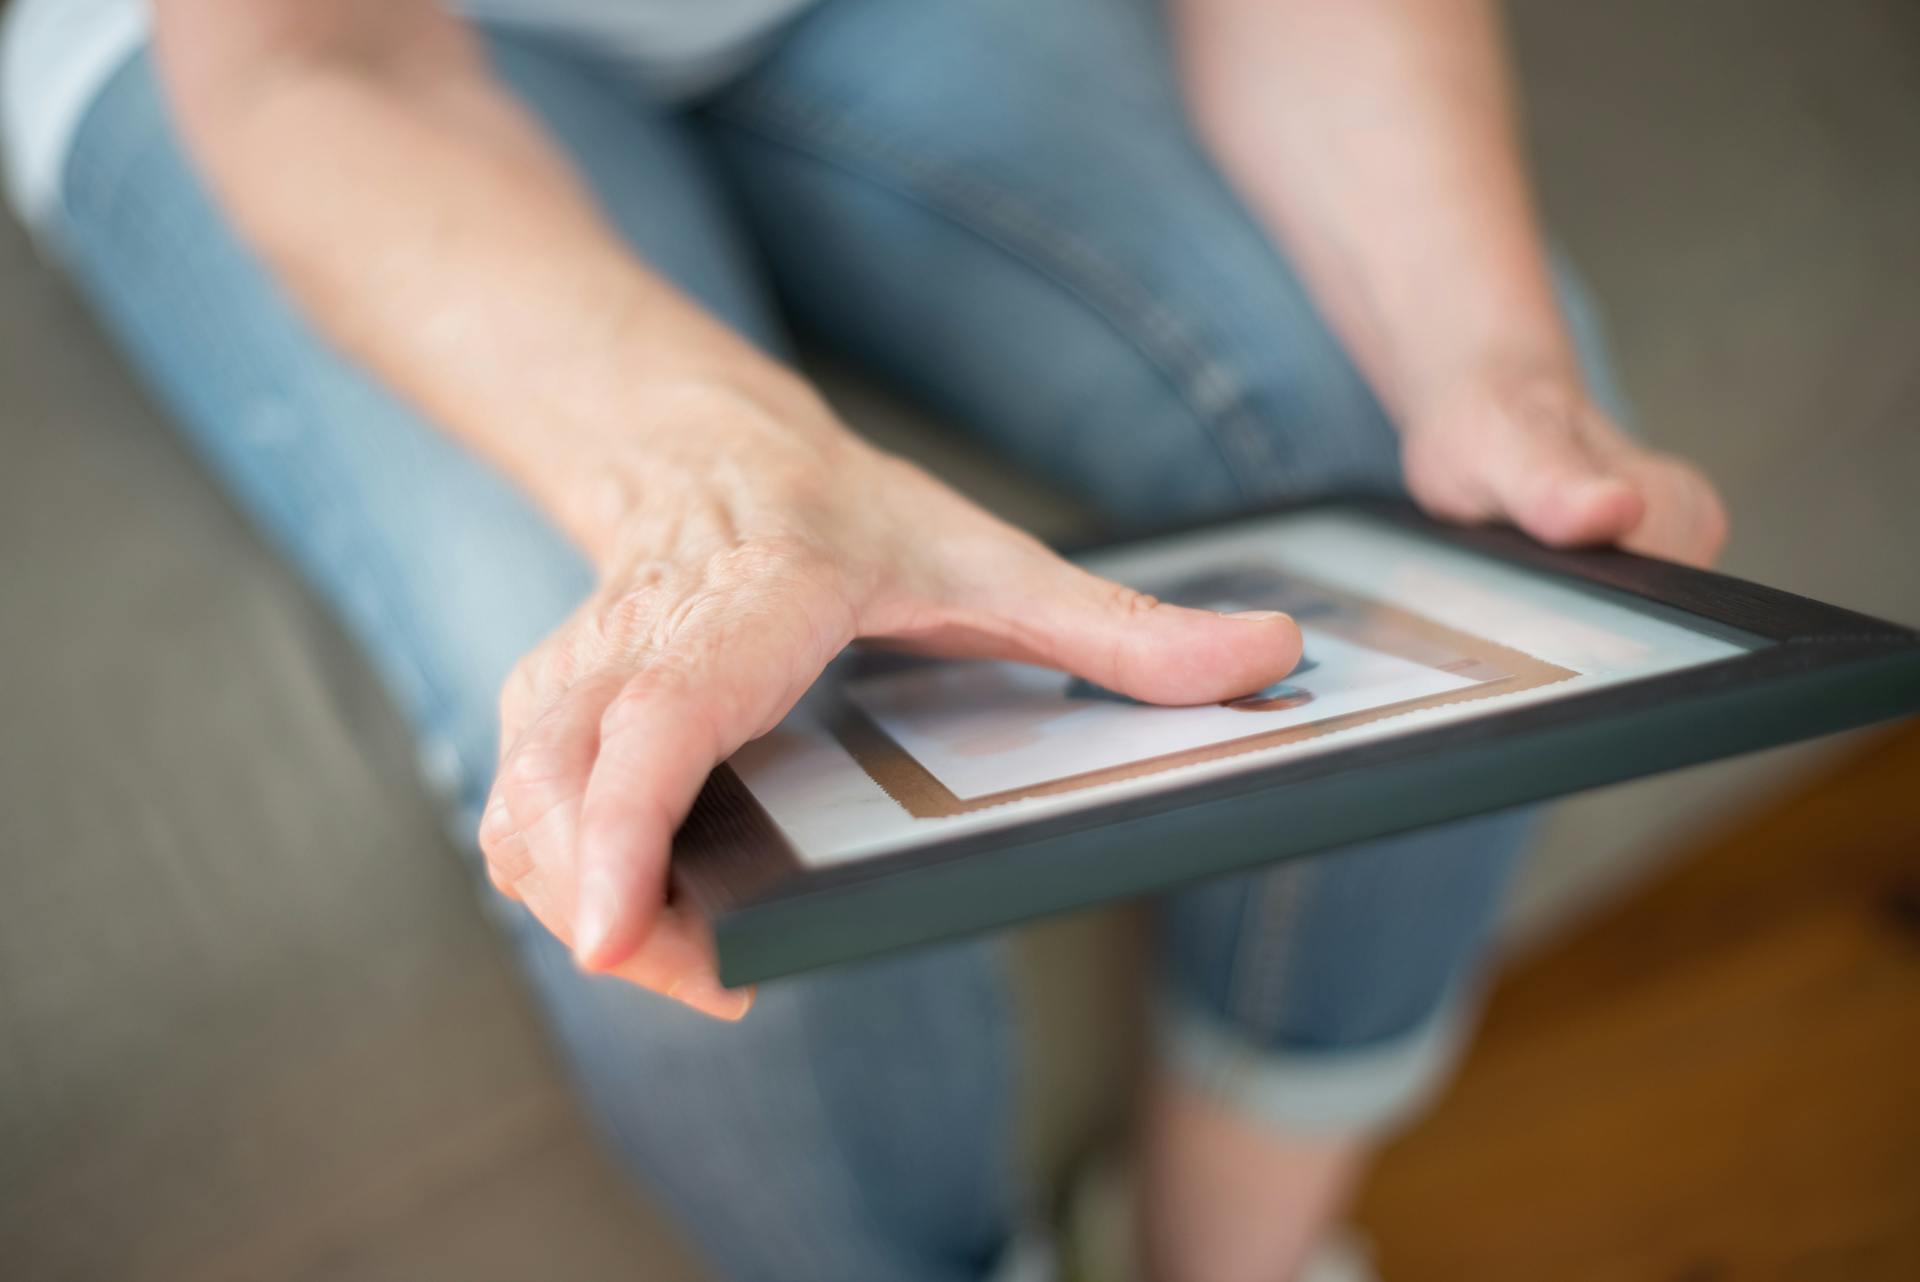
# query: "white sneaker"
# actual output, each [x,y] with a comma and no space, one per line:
[1341,1257]
[1098,1235]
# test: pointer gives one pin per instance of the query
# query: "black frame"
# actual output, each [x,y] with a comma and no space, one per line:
[1819,669]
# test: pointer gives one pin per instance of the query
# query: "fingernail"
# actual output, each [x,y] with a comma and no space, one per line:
[705,995]
[1255,616]
[496,822]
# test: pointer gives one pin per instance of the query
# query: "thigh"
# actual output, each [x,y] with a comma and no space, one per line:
[854,1125]
[1001,206]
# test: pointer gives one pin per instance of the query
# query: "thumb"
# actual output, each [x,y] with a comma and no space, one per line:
[1132,643]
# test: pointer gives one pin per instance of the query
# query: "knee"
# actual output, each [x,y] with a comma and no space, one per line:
[1351,948]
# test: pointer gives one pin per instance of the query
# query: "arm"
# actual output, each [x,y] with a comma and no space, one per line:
[742,536]
[1376,139]
[363,149]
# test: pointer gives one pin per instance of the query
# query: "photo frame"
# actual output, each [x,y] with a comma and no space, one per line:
[1471,667]
[1467,670]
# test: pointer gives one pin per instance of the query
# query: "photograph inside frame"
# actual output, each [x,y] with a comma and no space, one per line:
[1402,632]
[946,739]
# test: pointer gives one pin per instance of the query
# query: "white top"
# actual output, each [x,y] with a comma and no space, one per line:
[56,54]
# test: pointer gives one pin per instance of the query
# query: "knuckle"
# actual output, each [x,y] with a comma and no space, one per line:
[804,490]
[557,662]
[630,703]
[507,856]
[515,694]
[533,767]
[630,620]
[1130,602]
[504,876]
[784,558]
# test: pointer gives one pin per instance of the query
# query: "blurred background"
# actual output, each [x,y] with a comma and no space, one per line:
[248,1029]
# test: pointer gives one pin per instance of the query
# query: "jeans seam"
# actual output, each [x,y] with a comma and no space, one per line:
[998,215]
[1257,981]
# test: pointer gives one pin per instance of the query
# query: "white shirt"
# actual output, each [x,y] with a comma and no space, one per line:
[55,55]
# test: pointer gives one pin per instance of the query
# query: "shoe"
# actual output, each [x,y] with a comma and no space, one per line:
[1097,1236]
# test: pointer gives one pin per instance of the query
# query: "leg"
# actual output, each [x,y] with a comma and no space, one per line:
[1000,206]
[855,1125]
[1306,1012]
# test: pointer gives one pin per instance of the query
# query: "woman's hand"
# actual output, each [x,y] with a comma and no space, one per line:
[1526,445]
[1378,143]
[741,548]
[742,536]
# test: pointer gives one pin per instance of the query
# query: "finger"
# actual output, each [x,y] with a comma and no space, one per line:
[1547,482]
[733,668]
[657,748]
[1051,612]
[517,705]
[543,778]
[507,856]
[1685,520]
[677,960]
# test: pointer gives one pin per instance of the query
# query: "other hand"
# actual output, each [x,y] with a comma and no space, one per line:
[1529,447]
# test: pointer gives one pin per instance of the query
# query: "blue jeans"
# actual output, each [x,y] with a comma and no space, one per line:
[997,206]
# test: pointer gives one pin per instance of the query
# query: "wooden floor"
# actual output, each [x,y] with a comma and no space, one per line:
[1717,1081]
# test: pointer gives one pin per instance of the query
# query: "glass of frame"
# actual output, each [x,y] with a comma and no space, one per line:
[1445,672]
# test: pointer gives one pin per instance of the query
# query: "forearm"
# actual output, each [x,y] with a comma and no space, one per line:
[1376,139]
[429,227]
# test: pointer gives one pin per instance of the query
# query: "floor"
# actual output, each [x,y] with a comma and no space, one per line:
[1715,1082]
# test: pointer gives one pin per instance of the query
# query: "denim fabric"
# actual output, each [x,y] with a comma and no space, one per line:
[998,206]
